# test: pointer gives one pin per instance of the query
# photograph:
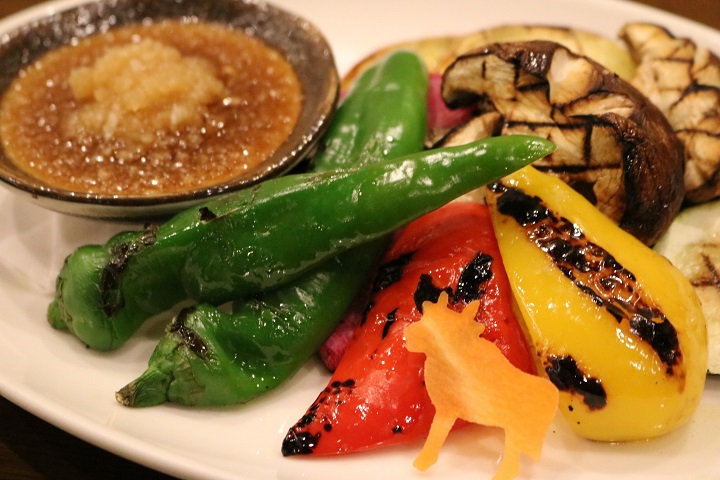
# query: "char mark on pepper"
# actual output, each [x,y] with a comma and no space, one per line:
[299,440]
[426,291]
[206,215]
[565,374]
[593,270]
[111,297]
[525,210]
[299,443]
[187,335]
[391,271]
[660,334]
[469,287]
[473,277]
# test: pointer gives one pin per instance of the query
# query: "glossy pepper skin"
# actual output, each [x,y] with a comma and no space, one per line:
[236,246]
[614,325]
[383,115]
[209,357]
[376,396]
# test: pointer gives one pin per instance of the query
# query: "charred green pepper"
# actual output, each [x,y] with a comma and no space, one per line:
[210,357]
[237,245]
[383,116]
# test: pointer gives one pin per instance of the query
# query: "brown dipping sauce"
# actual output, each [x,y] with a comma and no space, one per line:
[150,109]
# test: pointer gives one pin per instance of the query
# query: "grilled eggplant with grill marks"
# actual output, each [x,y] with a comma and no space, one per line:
[692,244]
[438,52]
[683,80]
[609,53]
[614,146]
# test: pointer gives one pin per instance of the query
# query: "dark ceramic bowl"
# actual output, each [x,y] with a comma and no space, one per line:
[25,37]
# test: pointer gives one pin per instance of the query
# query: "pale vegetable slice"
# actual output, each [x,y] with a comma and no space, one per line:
[692,244]
[468,378]
[607,52]
[438,52]
[434,51]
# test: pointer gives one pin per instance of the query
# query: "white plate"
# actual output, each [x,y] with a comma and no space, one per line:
[51,375]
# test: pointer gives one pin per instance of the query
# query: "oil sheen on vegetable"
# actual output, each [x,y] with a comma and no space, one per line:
[614,325]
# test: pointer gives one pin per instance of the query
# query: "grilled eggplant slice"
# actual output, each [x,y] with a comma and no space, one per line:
[614,146]
[683,80]
[607,52]
[438,52]
[692,244]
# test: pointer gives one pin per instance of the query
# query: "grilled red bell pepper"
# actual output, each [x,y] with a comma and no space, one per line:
[376,396]
[440,118]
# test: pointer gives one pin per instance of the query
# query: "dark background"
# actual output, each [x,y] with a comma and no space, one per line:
[31,449]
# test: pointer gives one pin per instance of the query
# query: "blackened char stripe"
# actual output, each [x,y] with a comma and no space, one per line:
[565,374]
[302,438]
[187,335]
[426,291]
[392,271]
[299,443]
[472,279]
[592,269]
[111,297]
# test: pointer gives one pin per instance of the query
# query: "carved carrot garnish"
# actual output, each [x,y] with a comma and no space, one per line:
[467,377]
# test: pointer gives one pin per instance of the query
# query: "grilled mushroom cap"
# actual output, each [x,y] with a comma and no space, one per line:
[614,146]
[683,80]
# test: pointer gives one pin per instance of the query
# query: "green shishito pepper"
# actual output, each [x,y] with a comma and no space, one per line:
[259,238]
[210,357]
[383,116]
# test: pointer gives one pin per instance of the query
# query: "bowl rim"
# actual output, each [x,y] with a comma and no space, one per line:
[310,55]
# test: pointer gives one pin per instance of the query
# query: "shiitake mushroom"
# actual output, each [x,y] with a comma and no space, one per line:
[614,145]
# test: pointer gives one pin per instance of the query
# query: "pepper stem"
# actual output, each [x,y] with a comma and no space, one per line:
[150,388]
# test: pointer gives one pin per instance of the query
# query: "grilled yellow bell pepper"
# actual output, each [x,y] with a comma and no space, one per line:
[614,325]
